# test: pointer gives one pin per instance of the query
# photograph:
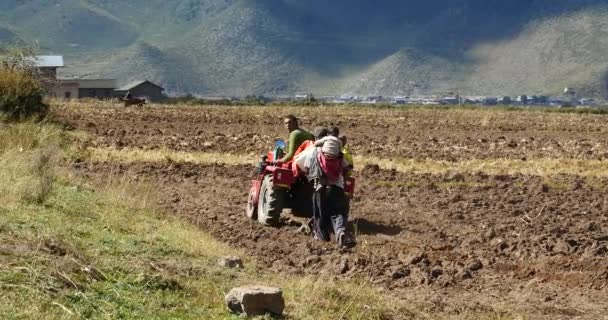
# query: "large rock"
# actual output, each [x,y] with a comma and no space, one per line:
[255,301]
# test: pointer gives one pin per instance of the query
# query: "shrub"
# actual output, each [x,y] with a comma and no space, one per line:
[21,94]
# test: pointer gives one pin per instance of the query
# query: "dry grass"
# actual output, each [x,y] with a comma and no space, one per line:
[166,155]
[29,154]
[29,135]
[536,167]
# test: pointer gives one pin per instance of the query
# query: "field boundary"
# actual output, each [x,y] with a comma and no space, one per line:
[534,167]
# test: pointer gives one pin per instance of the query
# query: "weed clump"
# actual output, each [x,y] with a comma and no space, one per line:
[21,94]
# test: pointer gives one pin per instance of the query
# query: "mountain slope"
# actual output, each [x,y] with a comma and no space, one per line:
[7,36]
[69,23]
[406,72]
[246,50]
[566,51]
[240,47]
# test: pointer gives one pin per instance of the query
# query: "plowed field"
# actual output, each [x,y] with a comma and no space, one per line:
[518,244]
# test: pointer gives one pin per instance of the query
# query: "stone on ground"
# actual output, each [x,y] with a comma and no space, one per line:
[255,301]
[230,262]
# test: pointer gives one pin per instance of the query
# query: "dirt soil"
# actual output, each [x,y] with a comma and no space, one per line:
[521,244]
[417,134]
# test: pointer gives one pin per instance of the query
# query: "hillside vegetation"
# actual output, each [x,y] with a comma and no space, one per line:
[238,47]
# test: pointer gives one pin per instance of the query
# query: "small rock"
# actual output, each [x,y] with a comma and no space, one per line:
[475,265]
[230,262]
[255,301]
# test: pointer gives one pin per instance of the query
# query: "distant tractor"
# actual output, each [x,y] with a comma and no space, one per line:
[130,100]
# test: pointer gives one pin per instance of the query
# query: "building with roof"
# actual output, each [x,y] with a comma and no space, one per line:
[75,88]
[47,66]
[143,89]
[84,88]
[96,88]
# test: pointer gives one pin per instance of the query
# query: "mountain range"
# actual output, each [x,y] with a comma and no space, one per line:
[358,47]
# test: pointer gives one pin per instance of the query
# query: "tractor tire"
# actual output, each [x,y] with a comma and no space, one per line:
[270,204]
[252,209]
[301,199]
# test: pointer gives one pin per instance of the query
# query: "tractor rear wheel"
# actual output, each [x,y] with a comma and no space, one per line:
[252,209]
[270,204]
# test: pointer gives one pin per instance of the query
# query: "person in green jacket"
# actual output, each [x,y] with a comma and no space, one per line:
[297,136]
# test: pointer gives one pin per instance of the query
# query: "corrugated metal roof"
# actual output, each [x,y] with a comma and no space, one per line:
[48,61]
[135,84]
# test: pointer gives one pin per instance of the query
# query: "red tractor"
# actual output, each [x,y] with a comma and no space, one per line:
[276,188]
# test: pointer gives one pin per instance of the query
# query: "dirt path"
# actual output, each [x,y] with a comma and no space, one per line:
[517,243]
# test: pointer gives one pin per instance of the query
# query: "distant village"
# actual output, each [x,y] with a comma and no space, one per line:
[569,98]
[75,88]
